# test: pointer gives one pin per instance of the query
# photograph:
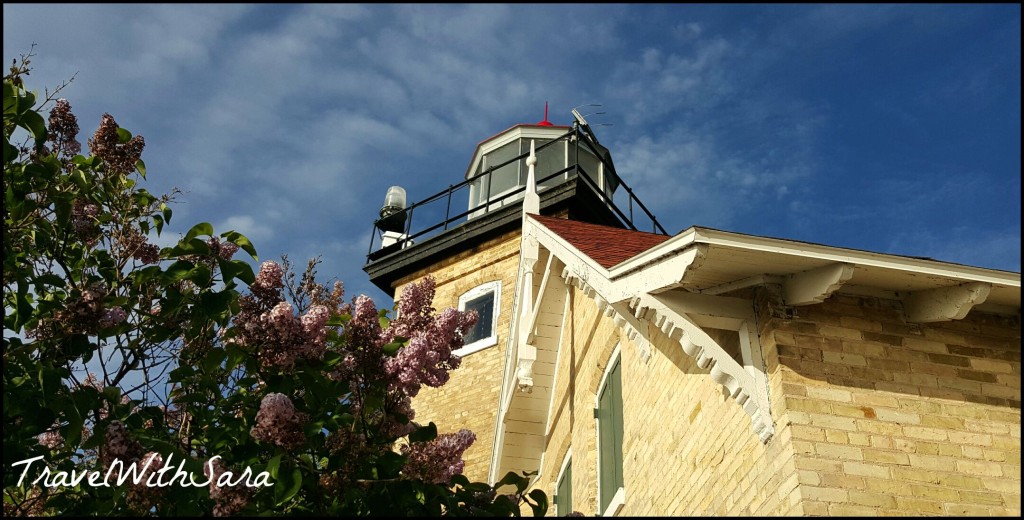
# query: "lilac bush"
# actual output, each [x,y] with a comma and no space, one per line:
[265,388]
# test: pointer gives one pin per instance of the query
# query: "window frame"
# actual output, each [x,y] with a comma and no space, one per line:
[472,294]
[618,499]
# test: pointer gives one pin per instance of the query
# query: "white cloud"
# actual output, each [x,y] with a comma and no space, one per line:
[687,31]
[255,229]
[288,122]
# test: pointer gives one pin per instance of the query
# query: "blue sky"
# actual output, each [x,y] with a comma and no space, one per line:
[888,128]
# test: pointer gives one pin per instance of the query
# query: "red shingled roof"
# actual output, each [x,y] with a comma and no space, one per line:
[607,246]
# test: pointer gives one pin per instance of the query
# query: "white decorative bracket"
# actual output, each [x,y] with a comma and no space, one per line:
[651,310]
[642,344]
[526,354]
[726,371]
[944,303]
[524,367]
[816,285]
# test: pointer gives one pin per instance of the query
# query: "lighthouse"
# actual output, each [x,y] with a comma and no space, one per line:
[705,373]
[468,236]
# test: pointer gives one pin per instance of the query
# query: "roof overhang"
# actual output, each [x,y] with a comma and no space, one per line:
[733,261]
[690,281]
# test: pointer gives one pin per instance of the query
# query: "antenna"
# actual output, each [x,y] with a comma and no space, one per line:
[582,123]
[579,117]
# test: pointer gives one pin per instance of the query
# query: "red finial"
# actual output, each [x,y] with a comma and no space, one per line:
[545,122]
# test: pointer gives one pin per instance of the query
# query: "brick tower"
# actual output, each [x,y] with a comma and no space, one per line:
[468,238]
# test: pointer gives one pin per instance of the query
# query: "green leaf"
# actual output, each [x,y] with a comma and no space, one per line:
[62,203]
[178,271]
[10,100]
[234,358]
[81,160]
[241,241]
[389,464]
[511,479]
[26,102]
[145,274]
[202,228]
[112,393]
[392,348]
[49,279]
[141,166]
[213,359]
[123,135]
[188,246]
[144,198]
[182,372]
[73,431]
[216,304]
[236,269]
[339,321]
[10,152]
[49,382]
[159,445]
[331,358]
[24,305]
[424,433]
[33,122]
[80,180]
[274,465]
[200,275]
[296,485]
[540,502]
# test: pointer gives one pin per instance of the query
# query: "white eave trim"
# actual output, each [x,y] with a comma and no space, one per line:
[965,273]
[669,247]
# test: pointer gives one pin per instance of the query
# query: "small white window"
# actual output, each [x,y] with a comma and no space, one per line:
[486,301]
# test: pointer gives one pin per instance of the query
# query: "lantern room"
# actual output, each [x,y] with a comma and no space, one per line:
[573,177]
[497,171]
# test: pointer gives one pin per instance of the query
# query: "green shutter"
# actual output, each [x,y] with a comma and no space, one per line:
[610,434]
[563,493]
[605,456]
[617,426]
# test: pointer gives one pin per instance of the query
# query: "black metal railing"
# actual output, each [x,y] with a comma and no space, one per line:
[428,209]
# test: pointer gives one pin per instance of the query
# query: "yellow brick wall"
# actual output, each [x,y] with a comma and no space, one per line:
[688,449]
[470,398]
[872,416]
[891,418]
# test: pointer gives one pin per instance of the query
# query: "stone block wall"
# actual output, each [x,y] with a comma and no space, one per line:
[896,418]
